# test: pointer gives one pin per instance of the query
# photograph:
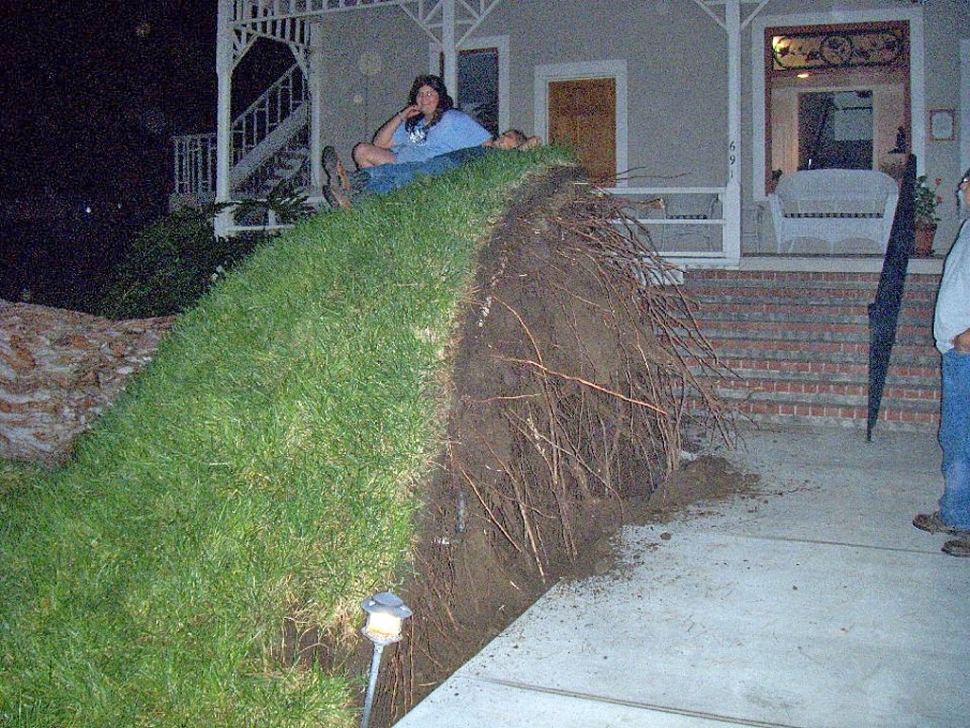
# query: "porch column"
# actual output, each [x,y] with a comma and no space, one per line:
[732,193]
[448,47]
[224,66]
[315,68]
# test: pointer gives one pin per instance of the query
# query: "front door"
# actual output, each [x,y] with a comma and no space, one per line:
[582,117]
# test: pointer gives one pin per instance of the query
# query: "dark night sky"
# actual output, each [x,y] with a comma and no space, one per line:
[93,92]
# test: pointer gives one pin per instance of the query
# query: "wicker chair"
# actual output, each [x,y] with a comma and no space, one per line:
[833,205]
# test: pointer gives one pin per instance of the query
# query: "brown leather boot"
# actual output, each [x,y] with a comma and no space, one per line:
[338,186]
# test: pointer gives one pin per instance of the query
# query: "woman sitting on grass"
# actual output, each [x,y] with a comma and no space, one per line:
[427,127]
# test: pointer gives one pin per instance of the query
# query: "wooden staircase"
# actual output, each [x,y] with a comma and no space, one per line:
[798,346]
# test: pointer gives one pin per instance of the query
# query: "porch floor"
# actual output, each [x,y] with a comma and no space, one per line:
[815,604]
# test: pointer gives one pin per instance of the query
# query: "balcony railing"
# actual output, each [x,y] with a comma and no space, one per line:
[195,168]
[287,94]
[244,10]
[195,154]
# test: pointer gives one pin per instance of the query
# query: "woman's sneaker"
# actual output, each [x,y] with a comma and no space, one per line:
[336,172]
[338,187]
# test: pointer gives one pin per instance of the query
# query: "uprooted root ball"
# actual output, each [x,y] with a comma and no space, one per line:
[578,376]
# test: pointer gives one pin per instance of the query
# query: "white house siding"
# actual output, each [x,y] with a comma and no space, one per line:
[676,115]
[355,105]
[947,22]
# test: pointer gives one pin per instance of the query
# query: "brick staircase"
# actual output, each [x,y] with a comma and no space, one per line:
[798,344]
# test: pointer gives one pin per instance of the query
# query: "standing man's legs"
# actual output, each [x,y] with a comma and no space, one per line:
[955,440]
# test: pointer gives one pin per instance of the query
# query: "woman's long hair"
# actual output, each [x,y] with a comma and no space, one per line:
[445,102]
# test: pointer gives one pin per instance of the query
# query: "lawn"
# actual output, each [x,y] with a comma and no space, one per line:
[263,472]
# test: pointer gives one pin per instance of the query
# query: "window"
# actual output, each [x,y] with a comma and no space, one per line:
[836,96]
[835,129]
[479,85]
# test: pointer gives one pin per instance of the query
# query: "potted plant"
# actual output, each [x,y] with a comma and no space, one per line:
[925,202]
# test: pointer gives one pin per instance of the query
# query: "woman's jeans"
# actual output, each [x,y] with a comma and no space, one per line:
[387,177]
[955,440]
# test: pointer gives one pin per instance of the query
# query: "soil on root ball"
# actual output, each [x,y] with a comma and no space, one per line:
[568,421]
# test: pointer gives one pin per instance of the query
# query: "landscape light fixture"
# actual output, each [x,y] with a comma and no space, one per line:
[385,619]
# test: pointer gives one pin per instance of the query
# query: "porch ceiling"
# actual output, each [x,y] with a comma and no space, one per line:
[245,11]
[449,23]
[425,11]
[287,19]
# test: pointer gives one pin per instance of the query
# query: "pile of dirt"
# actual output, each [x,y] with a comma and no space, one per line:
[574,401]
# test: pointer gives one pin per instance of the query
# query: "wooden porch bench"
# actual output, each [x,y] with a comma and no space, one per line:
[833,205]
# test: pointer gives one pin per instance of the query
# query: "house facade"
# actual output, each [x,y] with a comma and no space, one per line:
[701,104]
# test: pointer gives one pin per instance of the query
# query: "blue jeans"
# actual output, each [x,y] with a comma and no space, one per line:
[387,177]
[955,440]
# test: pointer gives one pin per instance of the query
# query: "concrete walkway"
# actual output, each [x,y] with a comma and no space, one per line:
[815,604]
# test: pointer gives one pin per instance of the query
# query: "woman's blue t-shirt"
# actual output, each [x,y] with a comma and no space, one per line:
[455,130]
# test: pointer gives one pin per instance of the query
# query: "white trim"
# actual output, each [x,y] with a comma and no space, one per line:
[615,69]
[913,15]
[964,105]
[835,264]
[501,42]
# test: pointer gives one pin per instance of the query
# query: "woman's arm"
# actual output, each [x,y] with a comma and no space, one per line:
[384,138]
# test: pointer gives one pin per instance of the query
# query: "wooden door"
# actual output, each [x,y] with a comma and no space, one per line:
[582,116]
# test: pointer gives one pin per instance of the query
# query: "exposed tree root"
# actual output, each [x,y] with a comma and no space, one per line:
[578,378]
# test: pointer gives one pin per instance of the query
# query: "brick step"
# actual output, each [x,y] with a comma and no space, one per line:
[854,287]
[801,334]
[847,296]
[809,324]
[824,351]
[743,311]
[808,331]
[857,374]
[797,346]
[890,418]
[903,369]
[895,387]
[780,279]
[852,396]
[768,297]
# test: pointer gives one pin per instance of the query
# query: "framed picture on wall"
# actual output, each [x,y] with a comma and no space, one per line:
[941,125]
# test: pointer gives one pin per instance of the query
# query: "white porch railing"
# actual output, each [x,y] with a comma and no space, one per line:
[276,109]
[195,168]
[251,172]
[287,163]
[287,94]
[689,221]
[249,10]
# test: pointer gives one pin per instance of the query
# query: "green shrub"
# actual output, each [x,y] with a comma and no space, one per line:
[170,265]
